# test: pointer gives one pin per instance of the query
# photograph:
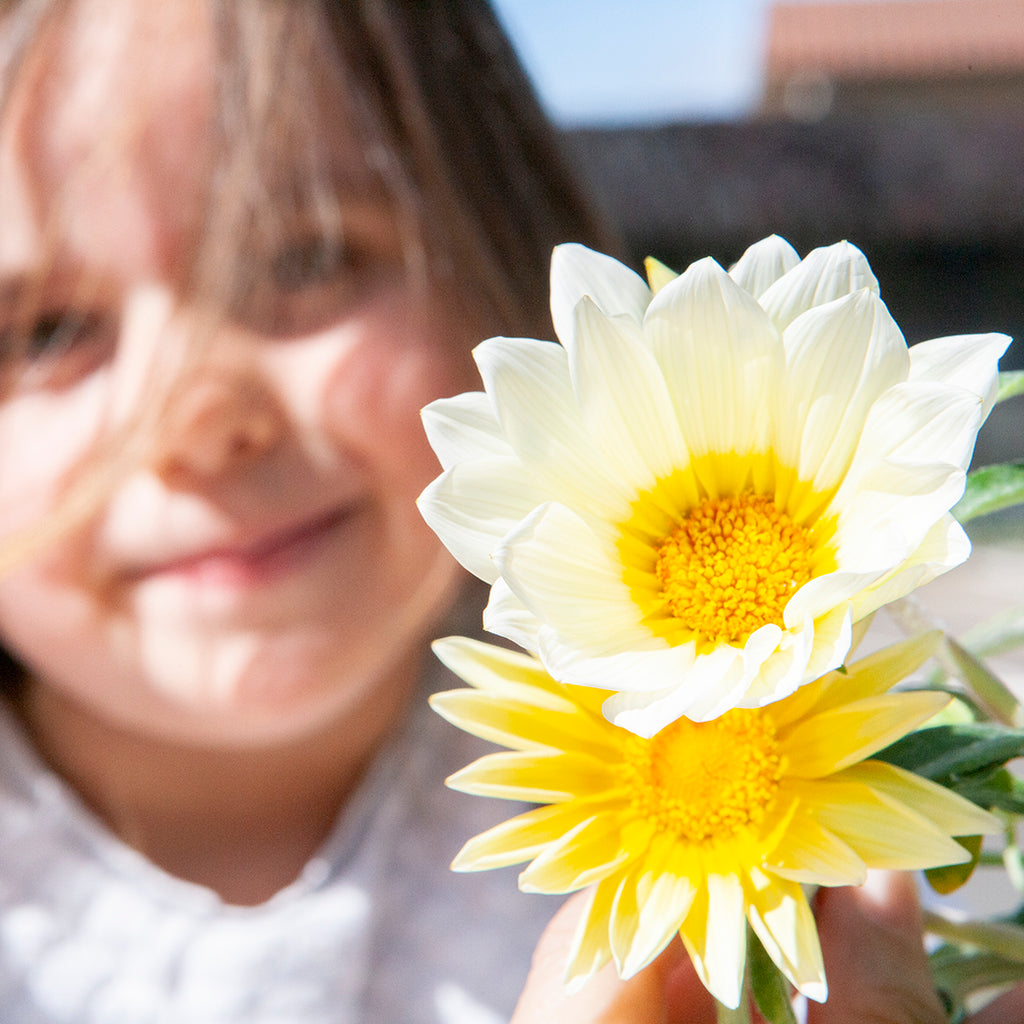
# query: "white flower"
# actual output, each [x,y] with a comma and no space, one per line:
[693,499]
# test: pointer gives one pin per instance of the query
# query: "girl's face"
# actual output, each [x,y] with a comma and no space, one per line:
[261,568]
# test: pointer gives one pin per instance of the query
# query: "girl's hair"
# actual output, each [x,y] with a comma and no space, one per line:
[435,96]
[442,81]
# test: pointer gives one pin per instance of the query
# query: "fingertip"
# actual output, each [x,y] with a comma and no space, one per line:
[887,898]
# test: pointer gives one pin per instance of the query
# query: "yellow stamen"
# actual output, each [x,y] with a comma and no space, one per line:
[706,780]
[731,566]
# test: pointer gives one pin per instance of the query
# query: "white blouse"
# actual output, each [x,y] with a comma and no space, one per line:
[376,930]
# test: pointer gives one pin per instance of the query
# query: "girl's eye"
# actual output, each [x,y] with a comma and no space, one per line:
[310,263]
[56,334]
[312,283]
[60,347]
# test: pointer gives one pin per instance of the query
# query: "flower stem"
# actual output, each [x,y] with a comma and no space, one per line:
[987,688]
[994,937]
[726,1015]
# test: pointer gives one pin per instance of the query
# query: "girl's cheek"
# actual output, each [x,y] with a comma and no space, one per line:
[374,395]
[46,441]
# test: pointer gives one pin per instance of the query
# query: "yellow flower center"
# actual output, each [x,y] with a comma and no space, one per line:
[706,780]
[731,566]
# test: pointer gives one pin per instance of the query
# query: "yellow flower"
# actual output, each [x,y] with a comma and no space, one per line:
[691,501]
[706,825]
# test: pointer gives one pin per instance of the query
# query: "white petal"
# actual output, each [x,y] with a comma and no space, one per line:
[463,428]
[821,595]
[623,396]
[763,264]
[945,547]
[529,384]
[833,641]
[720,355]
[968,361]
[920,422]
[823,275]
[559,570]
[840,357]
[632,670]
[507,616]
[888,518]
[473,505]
[784,670]
[577,271]
[714,684]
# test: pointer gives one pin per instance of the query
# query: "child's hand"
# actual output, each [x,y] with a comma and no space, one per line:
[871,939]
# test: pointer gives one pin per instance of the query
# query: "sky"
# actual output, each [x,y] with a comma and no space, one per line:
[640,61]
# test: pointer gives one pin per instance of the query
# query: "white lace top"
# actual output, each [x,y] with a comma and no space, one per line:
[375,930]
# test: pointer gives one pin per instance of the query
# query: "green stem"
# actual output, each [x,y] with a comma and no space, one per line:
[1004,939]
[727,1015]
[986,687]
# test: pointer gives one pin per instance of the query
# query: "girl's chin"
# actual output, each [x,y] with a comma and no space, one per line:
[246,690]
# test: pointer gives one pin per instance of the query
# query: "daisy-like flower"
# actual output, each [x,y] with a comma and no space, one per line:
[707,825]
[692,500]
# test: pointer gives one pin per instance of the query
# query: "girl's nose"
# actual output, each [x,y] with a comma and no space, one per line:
[221,422]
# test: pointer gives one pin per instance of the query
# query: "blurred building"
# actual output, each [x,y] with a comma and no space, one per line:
[951,57]
[896,124]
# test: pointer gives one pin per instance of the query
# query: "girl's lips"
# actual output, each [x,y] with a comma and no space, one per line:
[257,562]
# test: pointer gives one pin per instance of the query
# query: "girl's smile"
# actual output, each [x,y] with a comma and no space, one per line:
[246,564]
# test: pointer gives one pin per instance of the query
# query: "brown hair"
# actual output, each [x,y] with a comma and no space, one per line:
[446,116]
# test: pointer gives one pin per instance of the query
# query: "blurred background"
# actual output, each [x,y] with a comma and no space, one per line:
[896,124]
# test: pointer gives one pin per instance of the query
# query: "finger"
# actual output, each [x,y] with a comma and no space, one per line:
[1008,1007]
[877,968]
[605,998]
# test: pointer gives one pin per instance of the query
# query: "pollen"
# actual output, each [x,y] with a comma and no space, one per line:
[732,565]
[705,781]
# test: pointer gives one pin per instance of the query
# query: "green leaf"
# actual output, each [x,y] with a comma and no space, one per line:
[768,984]
[994,788]
[959,974]
[948,879]
[1011,383]
[991,489]
[948,753]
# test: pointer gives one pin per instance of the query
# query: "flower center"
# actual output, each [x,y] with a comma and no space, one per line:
[706,780]
[731,566]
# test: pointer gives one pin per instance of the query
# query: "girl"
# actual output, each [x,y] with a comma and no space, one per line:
[242,244]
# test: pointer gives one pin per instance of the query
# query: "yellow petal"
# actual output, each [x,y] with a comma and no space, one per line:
[590,949]
[880,671]
[523,837]
[535,777]
[883,832]
[809,853]
[587,853]
[522,726]
[783,921]
[500,671]
[953,814]
[650,905]
[715,935]
[658,275]
[827,742]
